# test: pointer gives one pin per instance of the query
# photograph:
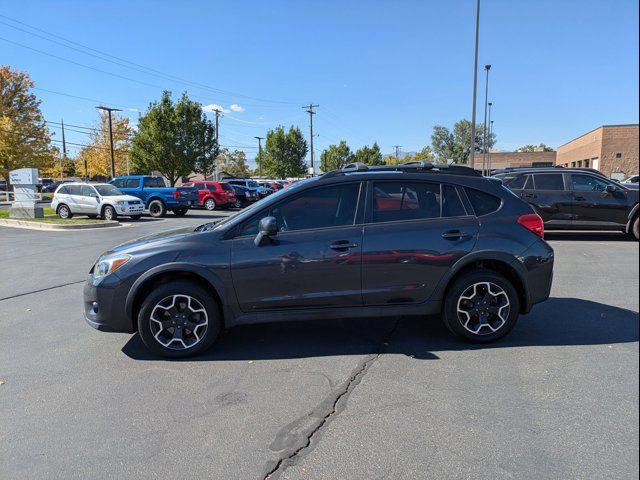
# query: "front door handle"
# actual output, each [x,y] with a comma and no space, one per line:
[342,245]
[580,198]
[455,235]
[530,195]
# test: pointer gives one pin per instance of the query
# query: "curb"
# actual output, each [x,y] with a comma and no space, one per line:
[52,226]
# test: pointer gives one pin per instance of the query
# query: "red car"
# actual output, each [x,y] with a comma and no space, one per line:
[214,194]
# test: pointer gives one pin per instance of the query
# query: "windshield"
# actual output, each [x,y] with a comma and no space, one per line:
[252,183]
[247,212]
[108,190]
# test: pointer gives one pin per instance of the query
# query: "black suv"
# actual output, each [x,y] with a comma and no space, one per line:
[578,199]
[401,240]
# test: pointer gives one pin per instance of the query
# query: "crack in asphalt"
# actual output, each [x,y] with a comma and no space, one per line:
[333,405]
[41,290]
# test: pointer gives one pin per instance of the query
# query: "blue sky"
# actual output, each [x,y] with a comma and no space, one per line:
[385,71]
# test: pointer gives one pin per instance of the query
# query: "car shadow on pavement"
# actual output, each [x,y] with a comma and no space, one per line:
[557,322]
[558,235]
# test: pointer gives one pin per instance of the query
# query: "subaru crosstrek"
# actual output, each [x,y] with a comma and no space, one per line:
[401,240]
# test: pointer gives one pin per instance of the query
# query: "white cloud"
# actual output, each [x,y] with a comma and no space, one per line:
[212,107]
[236,108]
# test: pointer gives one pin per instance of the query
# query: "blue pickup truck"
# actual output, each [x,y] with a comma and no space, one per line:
[157,197]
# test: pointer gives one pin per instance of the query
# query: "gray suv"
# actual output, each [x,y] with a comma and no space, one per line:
[401,240]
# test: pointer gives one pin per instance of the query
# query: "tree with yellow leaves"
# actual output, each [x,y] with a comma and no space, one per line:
[24,137]
[97,155]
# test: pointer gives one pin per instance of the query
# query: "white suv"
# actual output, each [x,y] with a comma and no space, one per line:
[100,199]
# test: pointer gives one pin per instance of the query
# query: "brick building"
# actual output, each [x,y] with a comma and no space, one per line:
[612,149]
[501,160]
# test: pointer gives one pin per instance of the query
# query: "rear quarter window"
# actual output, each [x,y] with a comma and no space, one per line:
[515,183]
[483,203]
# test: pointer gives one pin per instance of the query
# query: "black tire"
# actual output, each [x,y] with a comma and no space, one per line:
[65,212]
[210,204]
[180,211]
[162,295]
[237,204]
[92,216]
[635,228]
[109,213]
[157,209]
[135,217]
[484,322]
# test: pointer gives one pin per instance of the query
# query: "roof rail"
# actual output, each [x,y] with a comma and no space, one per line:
[409,167]
[355,166]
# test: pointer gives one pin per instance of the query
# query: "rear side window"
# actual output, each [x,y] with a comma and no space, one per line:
[451,204]
[552,181]
[154,182]
[483,203]
[131,183]
[397,201]
[212,188]
[73,189]
[516,183]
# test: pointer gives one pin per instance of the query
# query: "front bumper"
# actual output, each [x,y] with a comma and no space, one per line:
[137,209]
[104,304]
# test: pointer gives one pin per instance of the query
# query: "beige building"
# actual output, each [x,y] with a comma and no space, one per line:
[612,149]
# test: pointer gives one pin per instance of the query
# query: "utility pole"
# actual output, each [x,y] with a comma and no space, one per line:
[113,160]
[484,125]
[259,155]
[64,150]
[472,160]
[216,142]
[489,141]
[397,147]
[309,110]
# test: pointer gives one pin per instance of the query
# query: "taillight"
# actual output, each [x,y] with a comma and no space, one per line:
[176,194]
[532,222]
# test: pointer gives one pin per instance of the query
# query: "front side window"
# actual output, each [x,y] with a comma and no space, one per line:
[131,183]
[516,183]
[108,191]
[323,207]
[87,191]
[118,183]
[588,183]
[549,181]
[397,201]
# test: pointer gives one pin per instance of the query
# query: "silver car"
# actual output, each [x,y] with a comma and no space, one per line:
[93,200]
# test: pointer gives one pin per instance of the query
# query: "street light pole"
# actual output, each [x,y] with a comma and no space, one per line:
[489,141]
[484,125]
[472,160]
[259,155]
[490,136]
[397,147]
[113,160]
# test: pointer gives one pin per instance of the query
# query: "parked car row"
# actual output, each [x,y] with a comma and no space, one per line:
[133,194]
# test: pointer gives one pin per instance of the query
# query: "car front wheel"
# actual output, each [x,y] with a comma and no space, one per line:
[481,306]
[210,204]
[635,228]
[109,213]
[179,319]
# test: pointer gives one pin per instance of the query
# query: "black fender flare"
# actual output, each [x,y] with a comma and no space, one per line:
[178,267]
[632,215]
[484,255]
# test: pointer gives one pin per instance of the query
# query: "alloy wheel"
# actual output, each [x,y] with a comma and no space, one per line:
[210,204]
[483,308]
[179,322]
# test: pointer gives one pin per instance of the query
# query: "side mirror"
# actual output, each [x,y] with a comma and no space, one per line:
[610,189]
[267,228]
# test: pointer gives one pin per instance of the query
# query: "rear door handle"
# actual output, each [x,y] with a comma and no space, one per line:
[342,245]
[580,198]
[530,195]
[455,235]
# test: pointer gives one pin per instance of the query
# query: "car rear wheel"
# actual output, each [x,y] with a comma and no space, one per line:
[635,228]
[179,319]
[237,204]
[64,212]
[157,209]
[481,306]
[210,204]
[109,213]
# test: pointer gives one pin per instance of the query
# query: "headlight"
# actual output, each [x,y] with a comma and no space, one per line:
[107,265]
[120,202]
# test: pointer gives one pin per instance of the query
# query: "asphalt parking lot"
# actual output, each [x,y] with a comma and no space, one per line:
[392,399]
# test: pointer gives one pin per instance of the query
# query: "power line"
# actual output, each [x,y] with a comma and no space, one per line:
[127,63]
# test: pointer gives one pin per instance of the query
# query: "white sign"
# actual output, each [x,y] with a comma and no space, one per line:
[23,176]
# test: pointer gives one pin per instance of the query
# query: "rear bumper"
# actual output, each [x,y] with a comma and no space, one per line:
[104,304]
[538,262]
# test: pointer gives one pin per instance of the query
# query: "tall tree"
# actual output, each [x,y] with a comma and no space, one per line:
[24,138]
[234,163]
[97,154]
[284,153]
[456,145]
[533,148]
[369,155]
[174,139]
[336,157]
